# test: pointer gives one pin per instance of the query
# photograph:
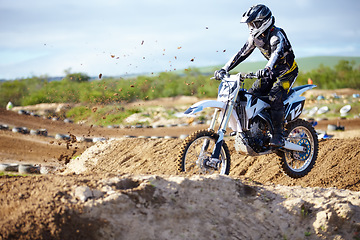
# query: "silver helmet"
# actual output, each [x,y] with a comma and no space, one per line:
[259,18]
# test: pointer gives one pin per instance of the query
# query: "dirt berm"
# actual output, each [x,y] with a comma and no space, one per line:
[337,165]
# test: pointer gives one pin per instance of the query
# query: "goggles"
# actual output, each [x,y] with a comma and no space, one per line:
[255,24]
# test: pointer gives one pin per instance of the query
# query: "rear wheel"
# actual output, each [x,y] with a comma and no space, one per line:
[195,154]
[298,164]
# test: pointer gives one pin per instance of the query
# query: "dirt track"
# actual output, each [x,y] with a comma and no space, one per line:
[337,164]
[36,149]
[45,206]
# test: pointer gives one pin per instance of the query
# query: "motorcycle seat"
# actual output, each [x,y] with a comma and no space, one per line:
[266,99]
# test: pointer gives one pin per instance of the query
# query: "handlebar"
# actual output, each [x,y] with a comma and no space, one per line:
[250,75]
[242,76]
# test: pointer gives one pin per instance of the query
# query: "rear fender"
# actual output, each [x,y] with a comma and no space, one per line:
[297,91]
[294,104]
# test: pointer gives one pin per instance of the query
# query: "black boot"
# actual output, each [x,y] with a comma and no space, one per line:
[277,118]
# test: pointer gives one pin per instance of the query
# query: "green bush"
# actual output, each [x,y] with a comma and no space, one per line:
[343,75]
[76,77]
[15,91]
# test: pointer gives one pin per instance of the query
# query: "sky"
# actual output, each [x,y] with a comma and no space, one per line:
[125,37]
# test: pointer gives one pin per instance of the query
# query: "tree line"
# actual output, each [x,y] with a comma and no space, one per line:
[77,87]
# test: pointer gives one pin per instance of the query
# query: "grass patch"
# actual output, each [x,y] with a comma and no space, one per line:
[79,113]
[100,115]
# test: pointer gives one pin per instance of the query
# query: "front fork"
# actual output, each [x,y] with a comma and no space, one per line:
[211,127]
[214,160]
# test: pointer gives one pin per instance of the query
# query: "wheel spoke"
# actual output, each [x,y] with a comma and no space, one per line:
[299,161]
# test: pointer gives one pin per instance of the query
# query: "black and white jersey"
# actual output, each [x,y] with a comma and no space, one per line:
[275,47]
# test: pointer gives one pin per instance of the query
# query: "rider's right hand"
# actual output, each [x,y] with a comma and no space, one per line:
[219,74]
[266,72]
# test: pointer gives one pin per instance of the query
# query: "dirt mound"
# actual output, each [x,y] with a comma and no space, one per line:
[154,207]
[44,108]
[337,164]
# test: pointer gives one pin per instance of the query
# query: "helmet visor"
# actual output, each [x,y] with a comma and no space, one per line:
[255,24]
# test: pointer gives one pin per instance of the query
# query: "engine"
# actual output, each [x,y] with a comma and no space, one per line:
[258,135]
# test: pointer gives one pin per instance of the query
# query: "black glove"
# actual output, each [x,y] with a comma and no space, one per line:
[266,72]
[219,74]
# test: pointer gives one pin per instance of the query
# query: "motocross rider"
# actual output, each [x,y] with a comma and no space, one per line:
[281,70]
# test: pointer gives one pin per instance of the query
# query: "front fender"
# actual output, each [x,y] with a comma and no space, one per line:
[199,106]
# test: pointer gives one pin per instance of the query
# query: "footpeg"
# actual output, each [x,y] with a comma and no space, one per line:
[213,163]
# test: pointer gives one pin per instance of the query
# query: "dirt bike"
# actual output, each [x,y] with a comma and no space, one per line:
[248,116]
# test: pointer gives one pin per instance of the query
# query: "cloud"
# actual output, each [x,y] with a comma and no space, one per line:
[46,37]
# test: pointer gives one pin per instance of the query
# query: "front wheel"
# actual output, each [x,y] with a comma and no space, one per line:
[195,154]
[298,164]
